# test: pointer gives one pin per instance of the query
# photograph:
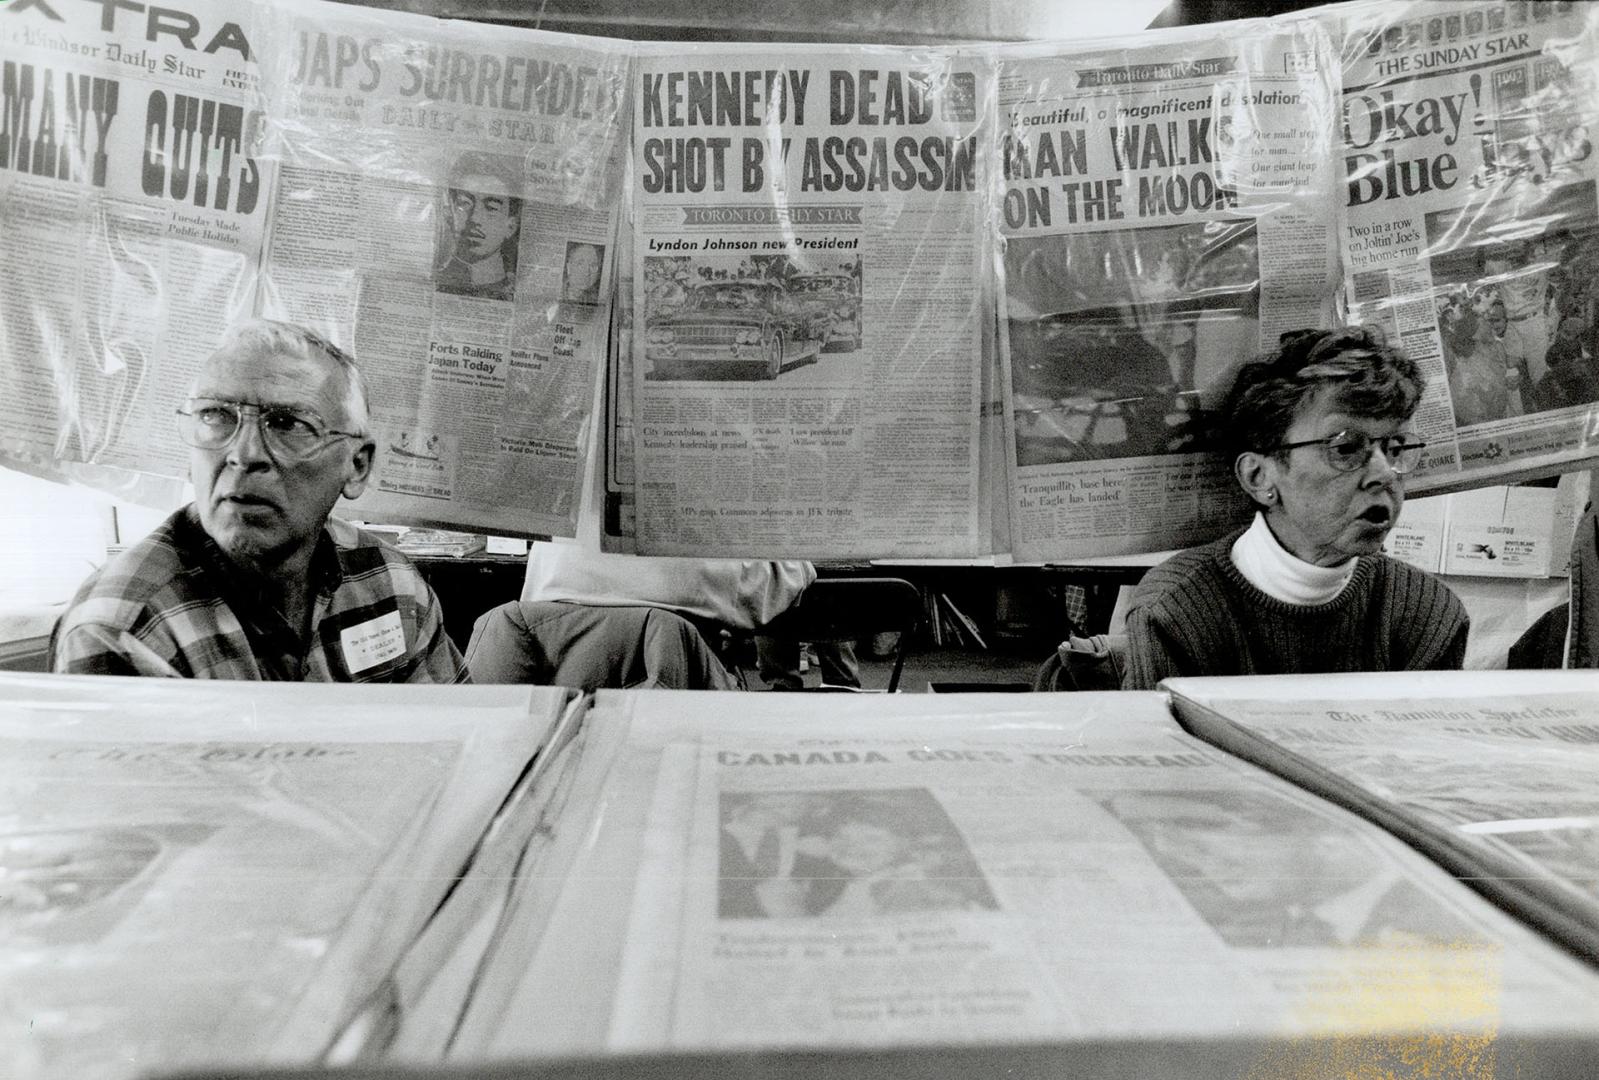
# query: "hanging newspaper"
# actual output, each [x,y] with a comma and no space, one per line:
[447,208]
[1471,223]
[132,209]
[1166,211]
[812,238]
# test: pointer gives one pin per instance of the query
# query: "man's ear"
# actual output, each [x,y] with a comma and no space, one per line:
[360,469]
[1257,475]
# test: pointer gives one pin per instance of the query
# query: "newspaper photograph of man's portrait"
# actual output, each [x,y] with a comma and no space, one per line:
[480,226]
[582,272]
[835,853]
[1264,873]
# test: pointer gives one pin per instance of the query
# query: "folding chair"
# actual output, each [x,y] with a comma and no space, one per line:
[851,608]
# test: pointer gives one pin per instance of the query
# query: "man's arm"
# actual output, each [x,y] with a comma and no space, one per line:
[437,659]
[92,649]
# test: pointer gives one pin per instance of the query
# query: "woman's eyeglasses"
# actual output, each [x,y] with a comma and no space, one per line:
[290,433]
[1349,451]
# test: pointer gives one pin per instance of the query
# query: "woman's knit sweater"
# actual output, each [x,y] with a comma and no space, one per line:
[1195,614]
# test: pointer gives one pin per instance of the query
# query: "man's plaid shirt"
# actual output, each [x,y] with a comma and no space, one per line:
[173,605]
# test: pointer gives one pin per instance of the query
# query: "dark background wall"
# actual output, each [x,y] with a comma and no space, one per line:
[866,21]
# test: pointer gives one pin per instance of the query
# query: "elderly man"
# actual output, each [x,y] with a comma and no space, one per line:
[252,581]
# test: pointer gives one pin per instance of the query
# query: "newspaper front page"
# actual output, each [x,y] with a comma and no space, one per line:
[1167,211]
[812,235]
[447,208]
[1494,777]
[132,210]
[1471,223]
[195,875]
[937,871]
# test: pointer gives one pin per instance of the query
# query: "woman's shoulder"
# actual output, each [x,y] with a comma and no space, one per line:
[1403,574]
[1426,622]
[1412,587]
[1192,570]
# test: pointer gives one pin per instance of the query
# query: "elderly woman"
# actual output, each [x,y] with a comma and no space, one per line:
[1320,440]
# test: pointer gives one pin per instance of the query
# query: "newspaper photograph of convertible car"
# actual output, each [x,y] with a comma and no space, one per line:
[751,317]
[1120,344]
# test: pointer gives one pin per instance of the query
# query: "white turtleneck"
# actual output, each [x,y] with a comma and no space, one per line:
[1282,575]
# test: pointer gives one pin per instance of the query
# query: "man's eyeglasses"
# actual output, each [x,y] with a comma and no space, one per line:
[291,434]
[1349,451]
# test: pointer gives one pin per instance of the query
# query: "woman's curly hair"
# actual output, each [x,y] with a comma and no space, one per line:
[1369,377]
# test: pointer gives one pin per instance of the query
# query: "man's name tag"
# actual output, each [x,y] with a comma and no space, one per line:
[368,644]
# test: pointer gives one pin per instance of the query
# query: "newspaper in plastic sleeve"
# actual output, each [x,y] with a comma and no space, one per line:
[1167,209]
[1513,772]
[812,234]
[1471,223]
[447,209]
[910,871]
[197,873]
[132,207]
[1491,774]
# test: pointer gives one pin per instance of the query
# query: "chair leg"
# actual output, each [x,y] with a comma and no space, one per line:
[899,664]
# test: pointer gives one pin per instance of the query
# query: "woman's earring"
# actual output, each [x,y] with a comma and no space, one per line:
[1269,495]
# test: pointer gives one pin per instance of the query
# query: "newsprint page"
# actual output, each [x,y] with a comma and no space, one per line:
[1491,774]
[1167,213]
[1470,215]
[446,206]
[132,209]
[446,209]
[811,241]
[917,870]
[168,894]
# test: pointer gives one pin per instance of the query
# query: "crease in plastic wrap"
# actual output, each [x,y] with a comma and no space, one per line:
[447,209]
[811,256]
[1470,223]
[1167,212]
[194,874]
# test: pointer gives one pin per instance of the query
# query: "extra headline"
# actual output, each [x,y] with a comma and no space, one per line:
[57,123]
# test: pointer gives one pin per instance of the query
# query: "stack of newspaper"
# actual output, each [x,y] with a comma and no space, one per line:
[1492,774]
[436,542]
[195,873]
[762,873]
